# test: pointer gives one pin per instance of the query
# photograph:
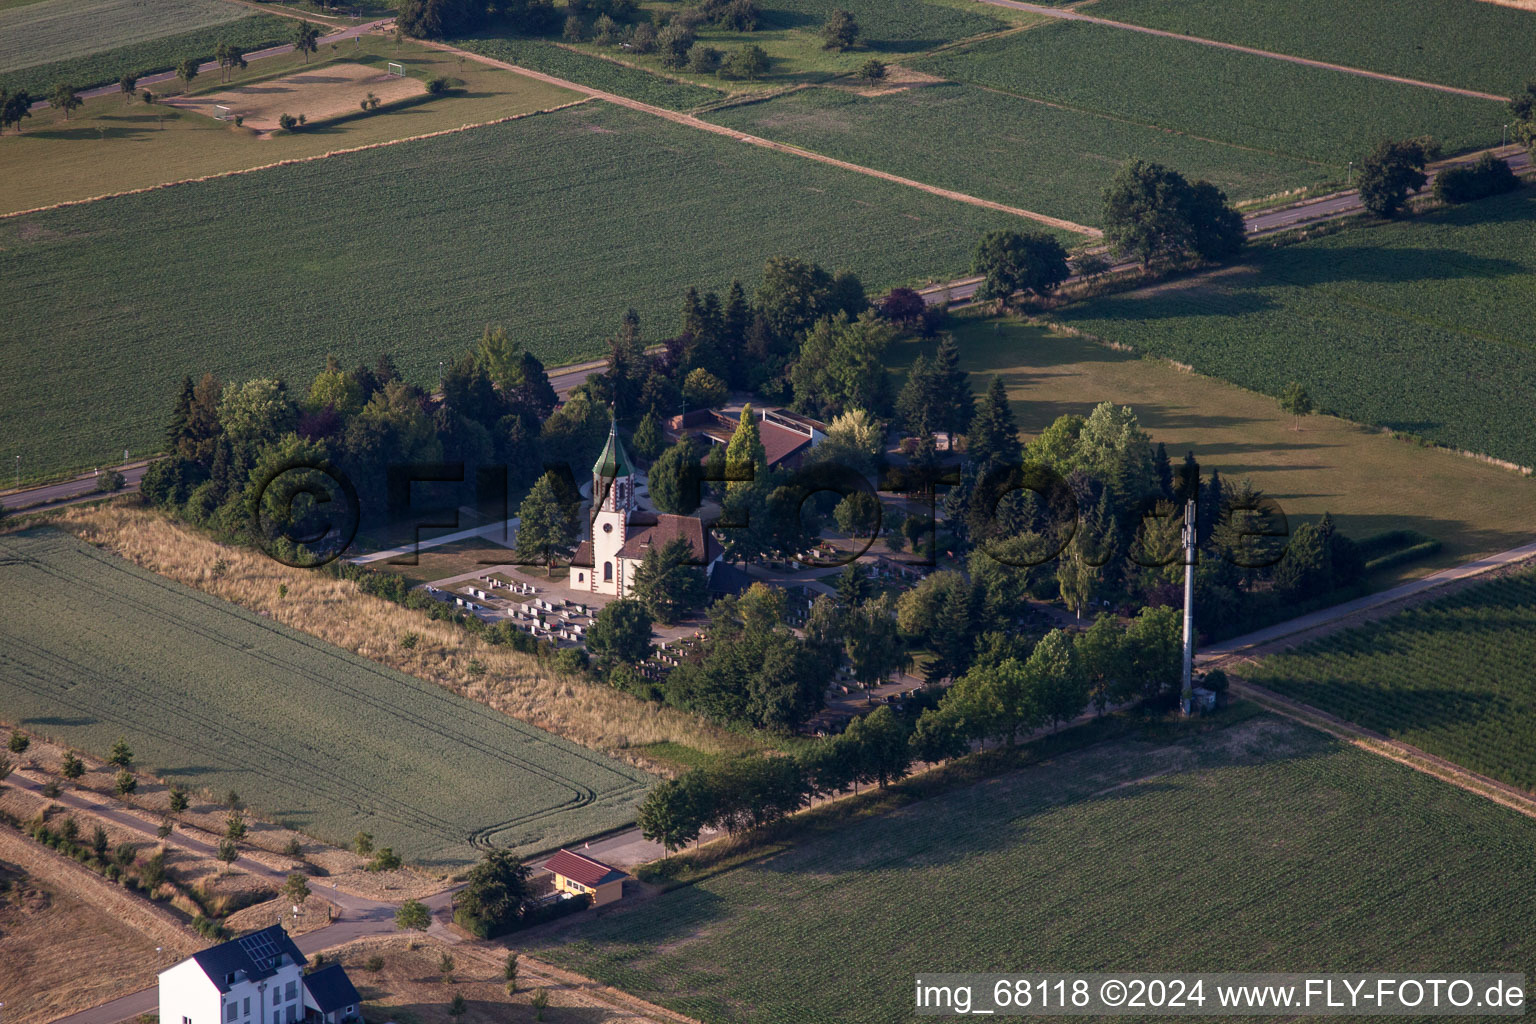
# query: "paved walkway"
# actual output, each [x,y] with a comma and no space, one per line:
[1067,14]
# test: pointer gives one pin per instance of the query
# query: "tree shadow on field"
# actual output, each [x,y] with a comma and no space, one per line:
[1408,709]
[60,721]
[1303,265]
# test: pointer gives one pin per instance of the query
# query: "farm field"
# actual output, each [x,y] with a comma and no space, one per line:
[1246,100]
[1466,43]
[551,225]
[1369,481]
[593,72]
[1038,157]
[1422,326]
[110,146]
[1451,677]
[54,30]
[1068,864]
[100,67]
[311,736]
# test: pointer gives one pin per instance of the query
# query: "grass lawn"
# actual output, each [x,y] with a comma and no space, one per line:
[110,145]
[790,33]
[91,66]
[312,736]
[1247,100]
[1032,155]
[551,225]
[1369,481]
[1452,677]
[447,560]
[1466,43]
[1423,326]
[1262,846]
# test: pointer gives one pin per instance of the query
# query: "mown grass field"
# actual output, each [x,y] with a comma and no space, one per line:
[1422,326]
[1370,482]
[552,226]
[1262,847]
[216,697]
[1000,147]
[1451,677]
[595,72]
[1247,100]
[115,55]
[1467,43]
[109,145]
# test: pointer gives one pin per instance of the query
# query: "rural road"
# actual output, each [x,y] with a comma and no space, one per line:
[1067,14]
[213,65]
[1299,628]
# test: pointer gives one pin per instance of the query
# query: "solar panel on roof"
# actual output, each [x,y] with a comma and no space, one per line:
[259,947]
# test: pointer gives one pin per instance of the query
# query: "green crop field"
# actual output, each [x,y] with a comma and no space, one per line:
[59,29]
[594,72]
[1467,43]
[552,226]
[1247,100]
[1452,677]
[217,697]
[1260,847]
[1004,148]
[250,33]
[1423,326]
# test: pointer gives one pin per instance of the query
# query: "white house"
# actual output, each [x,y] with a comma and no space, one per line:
[621,534]
[255,979]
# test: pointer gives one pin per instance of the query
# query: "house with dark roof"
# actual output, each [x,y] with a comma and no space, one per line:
[255,979]
[577,873]
[786,436]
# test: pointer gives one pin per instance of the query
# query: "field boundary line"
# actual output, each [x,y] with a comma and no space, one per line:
[690,121]
[1393,750]
[1062,14]
[292,161]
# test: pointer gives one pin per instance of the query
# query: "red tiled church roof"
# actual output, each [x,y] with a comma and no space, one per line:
[646,534]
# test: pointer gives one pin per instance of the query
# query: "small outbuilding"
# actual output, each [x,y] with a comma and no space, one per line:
[577,873]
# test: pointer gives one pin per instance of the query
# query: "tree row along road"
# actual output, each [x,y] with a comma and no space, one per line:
[1067,14]
[213,65]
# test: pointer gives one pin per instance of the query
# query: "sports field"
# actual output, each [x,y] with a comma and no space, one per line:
[1452,677]
[249,31]
[1246,100]
[213,696]
[551,225]
[1260,847]
[1471,44]
[1011,150]
[1421,326]
[321,94]
[111,145]
[1370,482]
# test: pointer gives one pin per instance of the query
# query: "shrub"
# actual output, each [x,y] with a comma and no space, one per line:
[385,860]
[110,481]
[374,963]
[19,743]
[287,122]
[1489,176]
[73,767]
[125,783]
[437,86]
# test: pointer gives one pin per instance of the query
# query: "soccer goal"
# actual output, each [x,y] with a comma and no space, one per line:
[224,113]
[398,70]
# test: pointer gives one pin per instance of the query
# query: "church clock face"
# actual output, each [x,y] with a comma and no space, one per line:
[607,527]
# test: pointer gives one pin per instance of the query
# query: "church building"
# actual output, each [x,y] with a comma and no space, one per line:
[621,533]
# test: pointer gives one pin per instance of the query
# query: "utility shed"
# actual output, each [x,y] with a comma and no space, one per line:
[577,873]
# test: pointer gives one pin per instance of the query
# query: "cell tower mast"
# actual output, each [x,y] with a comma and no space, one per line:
[1187,693]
